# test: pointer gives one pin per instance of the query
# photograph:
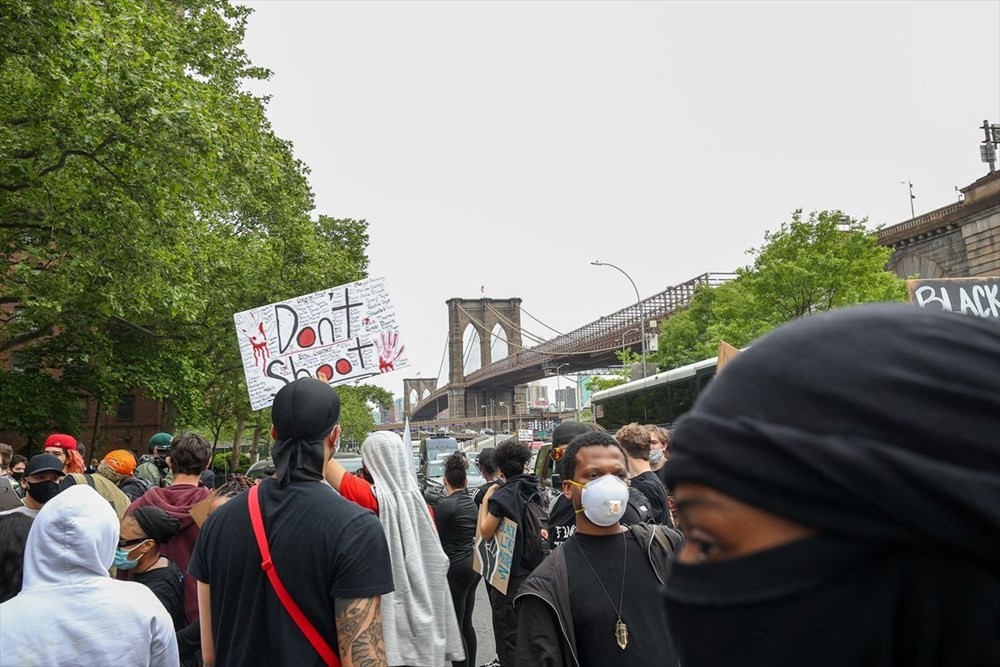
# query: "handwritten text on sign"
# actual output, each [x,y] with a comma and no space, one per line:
[969,296]
[338,335]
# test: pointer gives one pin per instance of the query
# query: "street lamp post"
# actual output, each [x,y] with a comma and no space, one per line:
[638,303]
[507,408]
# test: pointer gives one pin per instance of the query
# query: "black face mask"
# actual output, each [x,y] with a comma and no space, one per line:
[17,475]
[43,492]
[819,601]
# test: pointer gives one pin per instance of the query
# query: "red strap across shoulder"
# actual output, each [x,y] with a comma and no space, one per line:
[315,638]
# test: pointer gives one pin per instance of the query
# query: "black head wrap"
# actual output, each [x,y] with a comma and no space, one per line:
[879,426]
[304,413]
[880,422]
[156,523]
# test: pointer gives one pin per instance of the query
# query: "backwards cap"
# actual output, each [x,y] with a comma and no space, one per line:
[304,413]
[61,440]
[305,409]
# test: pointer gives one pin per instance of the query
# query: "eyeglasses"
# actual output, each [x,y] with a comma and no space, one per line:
[125,543]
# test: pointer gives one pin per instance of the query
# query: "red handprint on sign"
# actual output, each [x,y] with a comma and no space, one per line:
[260,351]
[388,355]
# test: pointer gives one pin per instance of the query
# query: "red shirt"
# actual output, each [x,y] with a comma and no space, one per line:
[359,491]
[362,492]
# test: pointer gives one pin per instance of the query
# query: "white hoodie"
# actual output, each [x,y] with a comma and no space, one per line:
[69,612]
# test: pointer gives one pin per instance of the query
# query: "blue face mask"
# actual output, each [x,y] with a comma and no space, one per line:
[122,561]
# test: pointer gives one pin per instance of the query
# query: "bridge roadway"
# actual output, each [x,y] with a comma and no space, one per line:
[590,346]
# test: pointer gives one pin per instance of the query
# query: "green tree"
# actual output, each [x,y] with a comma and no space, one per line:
[627,358]
[808,265]
[144,199]
[356,405]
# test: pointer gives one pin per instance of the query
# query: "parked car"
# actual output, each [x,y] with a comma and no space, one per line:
[431,479]
[431,447]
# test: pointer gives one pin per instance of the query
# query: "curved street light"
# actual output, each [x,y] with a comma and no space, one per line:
[638,303]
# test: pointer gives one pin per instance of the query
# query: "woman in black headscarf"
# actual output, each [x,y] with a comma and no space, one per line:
[839,485]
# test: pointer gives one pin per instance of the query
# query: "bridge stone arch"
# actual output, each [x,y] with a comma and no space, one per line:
[484,315]
[421,387]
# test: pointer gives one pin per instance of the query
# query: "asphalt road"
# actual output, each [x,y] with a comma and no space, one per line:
[482,620]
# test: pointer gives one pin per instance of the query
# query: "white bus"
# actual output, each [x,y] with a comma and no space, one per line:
[658,399]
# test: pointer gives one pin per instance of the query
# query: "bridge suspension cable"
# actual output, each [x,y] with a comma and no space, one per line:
[542,323]
[524,332]
[444,353]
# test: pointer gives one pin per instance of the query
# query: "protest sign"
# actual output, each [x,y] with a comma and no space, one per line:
[8,497]
[200,510]
[494,558]
[726,354]
[341,334]
[968,296]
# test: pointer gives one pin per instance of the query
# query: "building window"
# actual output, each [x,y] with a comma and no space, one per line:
[125,411]
[84,405]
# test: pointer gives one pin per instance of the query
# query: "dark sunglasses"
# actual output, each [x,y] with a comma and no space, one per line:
[125,543]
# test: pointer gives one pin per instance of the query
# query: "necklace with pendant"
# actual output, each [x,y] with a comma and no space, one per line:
[621,630]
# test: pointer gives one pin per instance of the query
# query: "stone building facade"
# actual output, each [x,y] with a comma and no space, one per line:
[954,241]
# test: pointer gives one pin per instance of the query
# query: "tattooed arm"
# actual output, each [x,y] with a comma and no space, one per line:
[359,631]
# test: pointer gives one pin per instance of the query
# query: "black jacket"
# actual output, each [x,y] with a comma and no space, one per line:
[545,635]
[132,487]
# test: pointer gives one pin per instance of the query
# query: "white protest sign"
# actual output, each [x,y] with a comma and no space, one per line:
[338,335]
[525,435]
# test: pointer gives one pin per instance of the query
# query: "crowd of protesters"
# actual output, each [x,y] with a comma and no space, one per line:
[833,498]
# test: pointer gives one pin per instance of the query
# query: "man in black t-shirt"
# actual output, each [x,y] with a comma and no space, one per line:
[609,612]
[634,440]
[507,502]
[330,554]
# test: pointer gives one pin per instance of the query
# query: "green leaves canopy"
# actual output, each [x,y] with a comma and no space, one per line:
[825,261]
[144,199]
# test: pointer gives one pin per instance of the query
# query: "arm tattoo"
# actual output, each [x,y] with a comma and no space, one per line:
[359,631]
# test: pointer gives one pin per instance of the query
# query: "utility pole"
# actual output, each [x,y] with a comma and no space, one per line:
[912,197]
[988,149]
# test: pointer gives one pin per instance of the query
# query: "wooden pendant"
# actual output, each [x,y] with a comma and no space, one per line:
[621,634]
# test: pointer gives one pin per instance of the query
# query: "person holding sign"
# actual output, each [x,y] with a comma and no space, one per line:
[608,613]
[839,486]
[509,501]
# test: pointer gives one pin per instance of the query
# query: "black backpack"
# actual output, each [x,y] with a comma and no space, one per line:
[533,527]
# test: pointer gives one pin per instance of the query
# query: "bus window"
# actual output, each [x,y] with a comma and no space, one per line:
[658,405]
[682,397]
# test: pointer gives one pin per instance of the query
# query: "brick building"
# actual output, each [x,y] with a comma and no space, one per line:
[128,425]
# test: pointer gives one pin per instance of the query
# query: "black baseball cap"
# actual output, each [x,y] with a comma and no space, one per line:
[566,431]
[43,463]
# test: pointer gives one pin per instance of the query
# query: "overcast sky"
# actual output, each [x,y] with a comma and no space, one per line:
[507,145]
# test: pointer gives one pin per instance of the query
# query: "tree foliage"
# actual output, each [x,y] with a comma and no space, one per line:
[810,264]
[356,404]
[144,199]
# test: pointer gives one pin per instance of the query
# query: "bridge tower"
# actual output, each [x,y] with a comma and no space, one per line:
[422,387]
[484,315]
